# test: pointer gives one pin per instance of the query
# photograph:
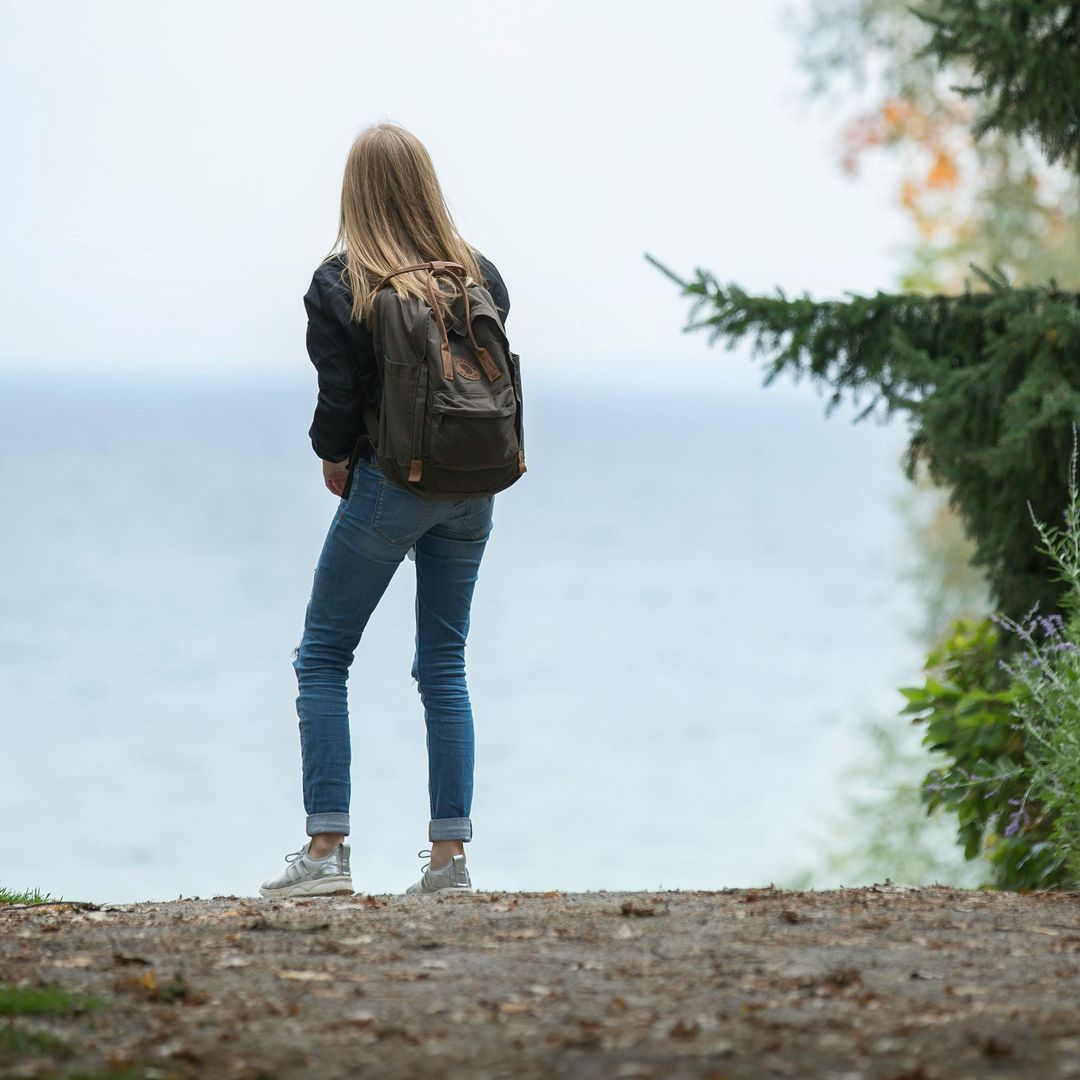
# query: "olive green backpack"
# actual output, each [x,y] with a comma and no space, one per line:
[449,425]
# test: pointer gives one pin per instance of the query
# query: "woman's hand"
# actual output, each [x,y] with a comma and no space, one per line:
[335,473]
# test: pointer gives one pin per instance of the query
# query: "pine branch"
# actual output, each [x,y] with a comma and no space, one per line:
[1023,56]
[989,381]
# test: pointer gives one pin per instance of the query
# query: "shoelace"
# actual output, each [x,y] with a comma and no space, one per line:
[425,853]
[296,854]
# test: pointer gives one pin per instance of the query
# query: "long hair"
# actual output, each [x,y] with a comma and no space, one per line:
[393,213]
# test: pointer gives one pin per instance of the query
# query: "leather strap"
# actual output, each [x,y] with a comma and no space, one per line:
[432,265]
[456,272]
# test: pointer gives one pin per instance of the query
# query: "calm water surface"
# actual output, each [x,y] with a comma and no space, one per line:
[685,607]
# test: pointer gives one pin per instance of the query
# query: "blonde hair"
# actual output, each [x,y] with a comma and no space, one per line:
[393,213]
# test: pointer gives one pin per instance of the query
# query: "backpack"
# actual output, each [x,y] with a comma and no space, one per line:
[450,421]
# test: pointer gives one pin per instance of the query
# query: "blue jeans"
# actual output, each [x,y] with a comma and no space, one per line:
[368,538]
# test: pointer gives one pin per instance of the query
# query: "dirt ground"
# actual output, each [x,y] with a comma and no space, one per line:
[876,982]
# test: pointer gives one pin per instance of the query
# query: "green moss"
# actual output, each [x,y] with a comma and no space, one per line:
[44,1001]
[121,1073]
[15,1042]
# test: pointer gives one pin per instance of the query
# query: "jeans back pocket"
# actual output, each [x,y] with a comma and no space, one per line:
[400,516]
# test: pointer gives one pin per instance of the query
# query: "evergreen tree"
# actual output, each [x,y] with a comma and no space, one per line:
[989,379]
[1025,56]
[992,201]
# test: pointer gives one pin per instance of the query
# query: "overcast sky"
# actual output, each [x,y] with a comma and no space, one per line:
[172,172]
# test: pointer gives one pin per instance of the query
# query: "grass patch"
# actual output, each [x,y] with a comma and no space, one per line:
[17,1043]
[26,896]
[120,1073]
[44,1001]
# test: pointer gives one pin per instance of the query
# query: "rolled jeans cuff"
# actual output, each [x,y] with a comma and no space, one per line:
[322,823]
[450,828]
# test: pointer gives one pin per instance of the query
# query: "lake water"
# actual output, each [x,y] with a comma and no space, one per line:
[685,607]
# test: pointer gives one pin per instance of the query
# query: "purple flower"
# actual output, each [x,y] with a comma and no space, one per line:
[1061,646]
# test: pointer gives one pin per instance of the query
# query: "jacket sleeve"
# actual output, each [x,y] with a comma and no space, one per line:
[338,418]
[496,286]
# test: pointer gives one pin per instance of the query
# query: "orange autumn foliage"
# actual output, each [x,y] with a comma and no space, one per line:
[935,140]
[943,173]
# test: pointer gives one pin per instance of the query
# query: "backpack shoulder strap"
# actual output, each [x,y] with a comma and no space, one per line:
[457,272]
[435,265]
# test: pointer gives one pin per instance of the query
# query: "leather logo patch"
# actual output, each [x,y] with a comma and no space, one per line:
[466,369]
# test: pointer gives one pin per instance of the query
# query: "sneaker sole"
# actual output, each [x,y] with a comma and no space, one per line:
[331,886]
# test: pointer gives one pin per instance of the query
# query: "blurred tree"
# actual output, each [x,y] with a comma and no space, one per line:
[991,381]
[883,829]
[936,561]
[979,192]
[994,200]
[1023,56]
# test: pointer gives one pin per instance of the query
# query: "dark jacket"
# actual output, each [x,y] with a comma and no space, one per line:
[343,353]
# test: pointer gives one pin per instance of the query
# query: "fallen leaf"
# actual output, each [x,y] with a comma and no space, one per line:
[123,958]
[683,1029]
[361,1018]
[73,962]
[842,977]
[145,982]
[305,976]
[526,933]
[233,962]
[632,907]
[177,989]
[514,1007]
[995,1047]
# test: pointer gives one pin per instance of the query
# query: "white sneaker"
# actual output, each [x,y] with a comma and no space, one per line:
[306,876]
[451,875]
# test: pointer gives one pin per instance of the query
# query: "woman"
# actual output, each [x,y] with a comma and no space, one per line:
[392,214]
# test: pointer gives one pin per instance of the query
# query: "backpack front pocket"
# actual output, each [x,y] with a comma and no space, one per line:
[402,395]
[473,432]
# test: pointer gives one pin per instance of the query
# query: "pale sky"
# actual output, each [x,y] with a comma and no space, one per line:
[172,172]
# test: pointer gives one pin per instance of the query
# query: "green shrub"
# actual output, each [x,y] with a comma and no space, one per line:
[1048,671]
[1009,729]
[967,703]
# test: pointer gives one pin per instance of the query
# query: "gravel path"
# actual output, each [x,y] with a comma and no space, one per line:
[877,982]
